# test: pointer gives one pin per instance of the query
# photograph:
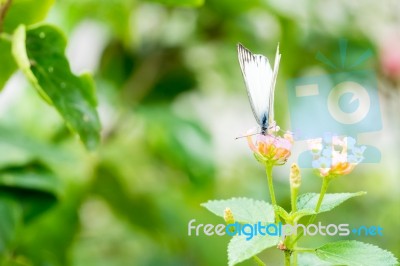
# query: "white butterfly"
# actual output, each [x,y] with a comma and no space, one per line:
[260,82]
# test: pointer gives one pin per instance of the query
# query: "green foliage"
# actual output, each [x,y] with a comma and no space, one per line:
[244,210]
[355,253]
[248,211]
[7,66]
[186,3]
[39,52]
[114,14]
[33,186]
[167,139]
[10,221]
[165,81]
[306,203]
[25,12]
[241,249]
[310,259]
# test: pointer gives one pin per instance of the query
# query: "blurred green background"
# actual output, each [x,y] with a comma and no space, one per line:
[171,102]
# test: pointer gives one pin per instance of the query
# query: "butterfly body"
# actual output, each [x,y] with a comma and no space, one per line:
[260,81]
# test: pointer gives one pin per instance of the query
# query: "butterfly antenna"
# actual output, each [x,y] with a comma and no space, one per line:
[247,135]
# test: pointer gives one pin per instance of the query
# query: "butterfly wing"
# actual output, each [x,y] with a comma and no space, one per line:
[259,78]
[274,76]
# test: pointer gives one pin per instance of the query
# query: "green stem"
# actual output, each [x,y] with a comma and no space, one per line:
[295,262]
[291,245]
[324,188]
[271,190]
[258,261]
[287,258]
[293,198]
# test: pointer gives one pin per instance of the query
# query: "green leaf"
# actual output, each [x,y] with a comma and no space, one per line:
[33,186]
[19,149]
[240,249]
[306,203]
[7,65]
[166,139]
[41,180]
[310,259]
[39,53]
[114,15]
[355,253]
[187,3]
[10,214]
[301,213]
[26,12]
[244,210]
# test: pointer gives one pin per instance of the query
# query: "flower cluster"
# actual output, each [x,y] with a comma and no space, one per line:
[335,156]
[271,148]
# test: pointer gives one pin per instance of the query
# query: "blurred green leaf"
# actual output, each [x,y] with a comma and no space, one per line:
[17,149]
[355,253]
[14,155]
[226,9]
[161,77]
[39,53]
[114,15]
[11,215]
[7,65]
[172,81]
[30,178]
[179,143]
[33,186]
[306,203]
[26,12]
[244,210]
[186,3]
[241,249]
[138,209]
[116,63]
[47,241]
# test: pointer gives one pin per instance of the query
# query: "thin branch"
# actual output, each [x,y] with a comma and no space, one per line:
[3,11]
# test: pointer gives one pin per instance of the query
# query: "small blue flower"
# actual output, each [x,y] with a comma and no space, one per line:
[327,152]
[359,150]
[350,143]
[321,162]
[328,138]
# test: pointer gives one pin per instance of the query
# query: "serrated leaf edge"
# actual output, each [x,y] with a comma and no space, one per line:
[390,254]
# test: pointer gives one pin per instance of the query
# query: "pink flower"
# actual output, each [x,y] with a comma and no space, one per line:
[271,149]
[390,57]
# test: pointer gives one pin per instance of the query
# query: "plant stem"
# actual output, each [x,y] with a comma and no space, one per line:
[271,190]
[258,261]
[287,258]
[293,198]
[294,253]
[324,188]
